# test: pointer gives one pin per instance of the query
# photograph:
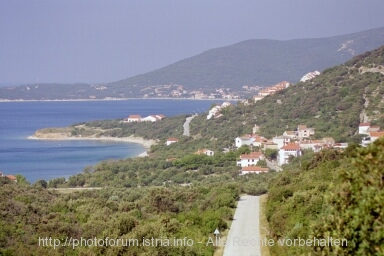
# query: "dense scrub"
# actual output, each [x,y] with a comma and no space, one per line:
[330,194]
[194,212]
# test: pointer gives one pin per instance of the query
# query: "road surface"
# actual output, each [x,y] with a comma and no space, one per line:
[273,165]
[186,124]
[244,235]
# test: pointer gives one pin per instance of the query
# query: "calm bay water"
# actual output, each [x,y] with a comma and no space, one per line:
[38,159]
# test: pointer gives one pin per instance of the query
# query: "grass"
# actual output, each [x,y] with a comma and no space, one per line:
[264,227]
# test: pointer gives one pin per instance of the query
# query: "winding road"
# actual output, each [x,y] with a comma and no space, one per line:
[186,124]
[244,235]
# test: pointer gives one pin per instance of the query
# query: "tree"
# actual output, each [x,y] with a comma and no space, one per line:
[21,179]
[271,153]
[41,183]
[356,205]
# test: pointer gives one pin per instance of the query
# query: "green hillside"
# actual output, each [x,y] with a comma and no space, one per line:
[332,103]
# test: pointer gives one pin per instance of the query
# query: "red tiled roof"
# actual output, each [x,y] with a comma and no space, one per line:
[254,169]
[172,139]
[302,126]
[365,124]
[134,116]
[11,177]
[376,134]
[291,146]
[252,155]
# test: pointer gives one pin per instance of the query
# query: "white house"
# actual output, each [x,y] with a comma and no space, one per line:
[215,111]
[160,116]
[375,135]
[149,119]
[281,141]
[252,170]
[171,141]
[304,132]
[372,137]
[134,118]
[250,139]
[291,149]
[291,134]
[309,76]
[341,145]
[363,128]
[205,151]
[250,159]
[244,140]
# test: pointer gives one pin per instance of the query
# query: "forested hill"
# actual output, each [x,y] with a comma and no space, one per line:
[251,62]
[332,103]
[260,62]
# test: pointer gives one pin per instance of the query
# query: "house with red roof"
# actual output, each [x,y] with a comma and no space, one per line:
[304,132]
[250,139]
[11,177]
[171,141]
[372,131]
[375,135]
[253,170]
[134,118]
[292,149]
[205,152]
[363,128]
[250,159]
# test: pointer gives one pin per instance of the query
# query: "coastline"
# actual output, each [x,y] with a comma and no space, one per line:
[131,139]
[116,99]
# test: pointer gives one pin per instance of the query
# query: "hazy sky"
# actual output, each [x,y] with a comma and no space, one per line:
[103,41]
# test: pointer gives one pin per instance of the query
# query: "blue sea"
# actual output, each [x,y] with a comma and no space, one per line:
[43,159]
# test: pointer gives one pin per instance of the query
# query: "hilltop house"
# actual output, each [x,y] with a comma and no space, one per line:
[137,118]
[205,151]
[373,133]
[271,90]
[250,139]
[291,134]
[285,152]
[171,141]
[11,177]
[215,111]
[309,76]
[153,118]
[252,170]
[363,128]
[250,159]
[304,132]
[133,118]
[281,141]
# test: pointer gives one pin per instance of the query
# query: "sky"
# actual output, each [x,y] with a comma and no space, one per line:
[98,41]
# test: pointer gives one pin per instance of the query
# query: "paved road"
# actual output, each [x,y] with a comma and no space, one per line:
[273,165]
[186,124]
[244,235]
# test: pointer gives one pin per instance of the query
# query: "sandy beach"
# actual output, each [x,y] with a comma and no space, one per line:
[62,136]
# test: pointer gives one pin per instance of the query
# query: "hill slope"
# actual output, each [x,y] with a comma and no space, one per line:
[333,103]
[260,62]
[251,62]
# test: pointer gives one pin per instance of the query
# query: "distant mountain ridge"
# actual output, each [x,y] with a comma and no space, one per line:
[261,61]
[251,62]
